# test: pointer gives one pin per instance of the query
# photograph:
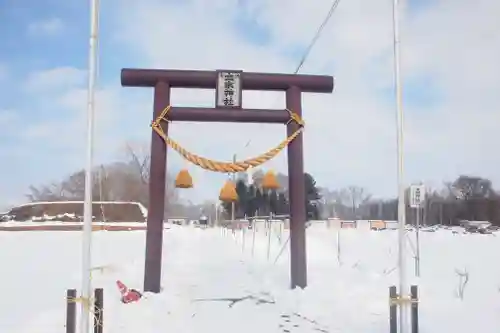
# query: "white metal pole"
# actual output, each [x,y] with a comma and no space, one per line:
[281,232]
[402,262]
[339,261]
[233,204]
[269,232]
[243,236]
[417,236]
[87,209]
[216,214]
[254,230]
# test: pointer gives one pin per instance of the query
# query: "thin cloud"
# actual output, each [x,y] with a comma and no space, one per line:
[47,27]
[55,79]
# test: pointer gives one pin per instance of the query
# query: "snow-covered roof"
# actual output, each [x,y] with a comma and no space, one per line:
[104,211]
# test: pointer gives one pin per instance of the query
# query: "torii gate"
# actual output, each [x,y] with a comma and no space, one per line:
[229,85]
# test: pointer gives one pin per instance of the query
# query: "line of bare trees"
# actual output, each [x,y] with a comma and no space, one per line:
[346,203]
[467,198]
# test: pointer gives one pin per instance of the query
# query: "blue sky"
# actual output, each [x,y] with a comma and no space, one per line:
[26,47]
[45,35]
[30,49]
[40,36]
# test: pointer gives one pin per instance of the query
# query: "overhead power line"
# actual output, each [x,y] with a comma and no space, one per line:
[316,36]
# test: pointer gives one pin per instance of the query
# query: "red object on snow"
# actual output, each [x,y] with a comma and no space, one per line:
[128,295]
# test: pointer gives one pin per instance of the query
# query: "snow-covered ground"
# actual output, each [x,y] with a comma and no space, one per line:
[348,291]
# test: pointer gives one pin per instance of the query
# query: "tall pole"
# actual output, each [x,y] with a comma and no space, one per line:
[403,279]
[233,206]
[87,207]
[417,236]
[216,214]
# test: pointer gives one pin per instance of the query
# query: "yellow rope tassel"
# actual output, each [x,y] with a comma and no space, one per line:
[87,303]
[226,167]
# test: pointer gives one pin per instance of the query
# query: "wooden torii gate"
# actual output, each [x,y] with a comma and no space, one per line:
[229,85]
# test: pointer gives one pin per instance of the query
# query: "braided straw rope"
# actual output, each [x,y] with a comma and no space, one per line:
[225,167]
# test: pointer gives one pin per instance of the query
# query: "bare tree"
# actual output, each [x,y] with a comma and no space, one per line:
[355,197]
[70,188]
[140,159]
[126,180]
[334,203]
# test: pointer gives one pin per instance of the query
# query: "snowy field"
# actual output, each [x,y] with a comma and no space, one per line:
[348,291]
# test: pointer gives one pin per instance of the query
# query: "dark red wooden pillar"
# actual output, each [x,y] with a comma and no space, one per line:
[157,182]
[296,183]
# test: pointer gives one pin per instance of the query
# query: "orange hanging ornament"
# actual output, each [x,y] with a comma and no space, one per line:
[228,192]
[270,181]
[183,179]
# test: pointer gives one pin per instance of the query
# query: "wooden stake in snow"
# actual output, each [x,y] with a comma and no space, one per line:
[269,235]
[254,229]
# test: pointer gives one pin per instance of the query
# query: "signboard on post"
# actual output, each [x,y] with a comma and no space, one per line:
[228,91]
[417,195]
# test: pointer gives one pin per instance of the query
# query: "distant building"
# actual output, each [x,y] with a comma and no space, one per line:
[391,225]
[178,220]
[475,224]
[377,224]
[348,224]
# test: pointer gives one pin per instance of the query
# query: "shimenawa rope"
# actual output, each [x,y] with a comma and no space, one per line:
[226,167]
